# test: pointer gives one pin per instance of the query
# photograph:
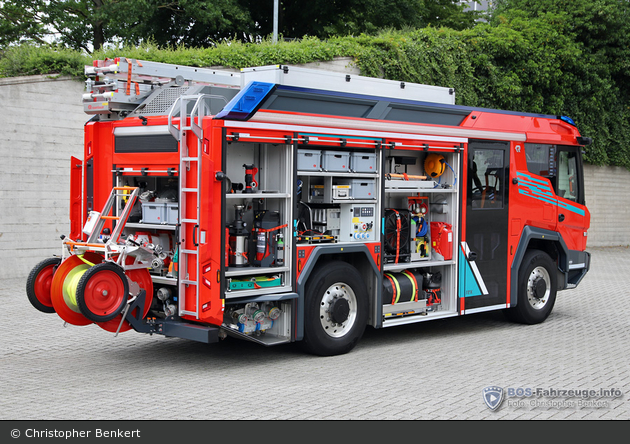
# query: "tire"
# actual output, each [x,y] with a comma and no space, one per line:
[38,284]
[336,310]
[537,288]
[102,292]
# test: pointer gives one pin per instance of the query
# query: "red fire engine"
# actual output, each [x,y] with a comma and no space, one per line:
[283,204]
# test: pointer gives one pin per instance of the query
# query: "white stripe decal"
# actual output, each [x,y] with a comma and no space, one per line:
[475,270]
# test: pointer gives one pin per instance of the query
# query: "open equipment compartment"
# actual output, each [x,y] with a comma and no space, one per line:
[420,213]
[257,218]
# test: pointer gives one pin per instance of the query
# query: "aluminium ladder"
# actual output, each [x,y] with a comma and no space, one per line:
[189,218]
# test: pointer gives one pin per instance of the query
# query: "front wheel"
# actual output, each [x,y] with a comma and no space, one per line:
[336,309]
[537,287]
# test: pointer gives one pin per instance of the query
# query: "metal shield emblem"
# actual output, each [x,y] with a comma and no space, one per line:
[493,397]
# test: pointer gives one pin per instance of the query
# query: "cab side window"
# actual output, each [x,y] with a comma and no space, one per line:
[568,180]
[488,178]
[541,159]
[559,164]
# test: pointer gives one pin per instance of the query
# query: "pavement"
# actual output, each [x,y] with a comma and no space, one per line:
[429,371]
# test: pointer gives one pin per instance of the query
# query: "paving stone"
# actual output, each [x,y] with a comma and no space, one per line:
[432,370]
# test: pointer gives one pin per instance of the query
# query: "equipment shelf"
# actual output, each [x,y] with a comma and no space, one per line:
[420,190]
[257,196]
[151,226]
[251,271]
[336,174]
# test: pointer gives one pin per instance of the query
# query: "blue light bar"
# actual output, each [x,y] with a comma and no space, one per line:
[246,103]
[569,120]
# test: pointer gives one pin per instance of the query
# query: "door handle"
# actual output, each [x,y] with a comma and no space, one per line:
[561,217]
[195,228]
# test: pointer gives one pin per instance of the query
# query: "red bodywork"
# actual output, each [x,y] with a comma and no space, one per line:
[523,210]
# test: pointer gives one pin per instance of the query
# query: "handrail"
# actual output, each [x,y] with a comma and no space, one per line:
[196,127]
[175,132]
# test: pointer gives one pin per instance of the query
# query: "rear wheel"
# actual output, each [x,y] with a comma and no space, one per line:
[336,309]
[38,284]
[537,287]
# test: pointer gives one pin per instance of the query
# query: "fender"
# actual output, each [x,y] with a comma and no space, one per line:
[327,250]
[572,265]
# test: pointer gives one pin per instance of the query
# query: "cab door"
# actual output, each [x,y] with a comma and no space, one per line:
[573,217]
[484,249]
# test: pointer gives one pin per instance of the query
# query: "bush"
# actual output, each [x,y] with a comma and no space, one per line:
[525,64]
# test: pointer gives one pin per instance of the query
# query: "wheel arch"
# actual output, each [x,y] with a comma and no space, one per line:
[550,242]
[356,255]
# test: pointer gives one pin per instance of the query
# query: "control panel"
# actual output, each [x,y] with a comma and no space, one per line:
[357,223]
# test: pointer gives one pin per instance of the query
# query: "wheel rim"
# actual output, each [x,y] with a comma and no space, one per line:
[338,310]
[143,278]
[104,293]
[42,285]
[538,288]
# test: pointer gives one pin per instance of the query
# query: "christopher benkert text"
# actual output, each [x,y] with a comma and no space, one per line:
[97,433]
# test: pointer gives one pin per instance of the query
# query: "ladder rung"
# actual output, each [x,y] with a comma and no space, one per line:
[189,251]
[190,190]
[110,217]
[190,159]
[189,221]
[187,281]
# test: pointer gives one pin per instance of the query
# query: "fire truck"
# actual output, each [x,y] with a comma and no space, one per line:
[282,204]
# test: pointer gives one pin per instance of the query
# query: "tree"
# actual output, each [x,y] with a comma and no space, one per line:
[18,24]
[191,23]
[594,84]
[90,24]
[323,18]
[601,26]
[78,24]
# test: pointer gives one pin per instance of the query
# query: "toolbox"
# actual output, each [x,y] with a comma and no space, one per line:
[363,162]
[160,213]
[336,161]
[360,188]
[309,160]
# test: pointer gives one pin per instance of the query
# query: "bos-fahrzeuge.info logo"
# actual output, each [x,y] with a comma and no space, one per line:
[493,396]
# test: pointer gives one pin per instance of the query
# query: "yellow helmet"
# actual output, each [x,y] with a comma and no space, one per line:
[434,165]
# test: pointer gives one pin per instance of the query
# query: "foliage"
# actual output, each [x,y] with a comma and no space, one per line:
[28,59]
[549,61]
[594,81]
[91,24]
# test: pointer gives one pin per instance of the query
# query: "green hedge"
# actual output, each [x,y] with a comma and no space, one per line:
[521,66]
